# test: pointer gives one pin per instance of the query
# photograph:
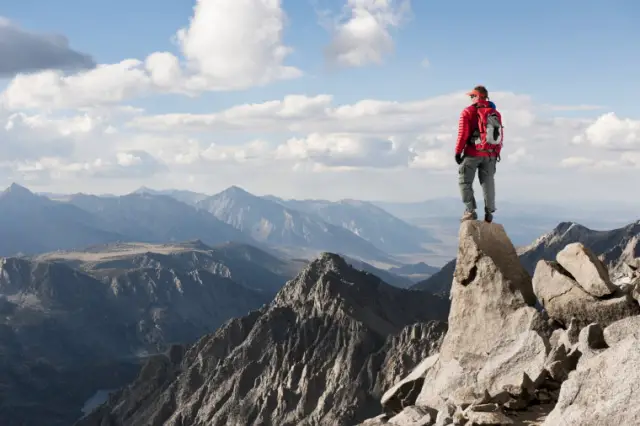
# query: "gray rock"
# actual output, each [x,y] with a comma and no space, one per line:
[414,343]
[507,364]
[603,390]
[493,418]
[635,291]
[445,415]
[408,388]
[491,308]
[591,342]
[313,356]
[564,299]
[380,420]
[622,329]
[559,364]
[586,269]
[414,416]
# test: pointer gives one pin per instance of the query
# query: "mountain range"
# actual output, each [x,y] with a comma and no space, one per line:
[32,224]
[270,222]
[319,353]
[104,310]
[337,346]
[69,316]
[524,221]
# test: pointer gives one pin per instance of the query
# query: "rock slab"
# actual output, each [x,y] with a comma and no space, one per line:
[603,391]
[491,315]
[587,269]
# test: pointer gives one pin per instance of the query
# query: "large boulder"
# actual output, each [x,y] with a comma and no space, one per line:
[603,390]
[589,271]
[492,323]
[563,298]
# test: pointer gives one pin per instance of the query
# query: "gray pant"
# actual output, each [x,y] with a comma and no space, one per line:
[486,167]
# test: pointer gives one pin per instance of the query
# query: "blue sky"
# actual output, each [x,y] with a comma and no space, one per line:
[563,73]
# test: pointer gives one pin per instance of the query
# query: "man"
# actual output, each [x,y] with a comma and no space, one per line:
[481,152]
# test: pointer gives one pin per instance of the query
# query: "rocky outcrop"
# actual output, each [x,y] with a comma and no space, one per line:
[603,390]
[318,354]
[617,248]
[613,246]
[494,330]
[564,297]
[589,271]
[504,362]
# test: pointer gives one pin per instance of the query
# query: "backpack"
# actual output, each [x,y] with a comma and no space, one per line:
[488,135]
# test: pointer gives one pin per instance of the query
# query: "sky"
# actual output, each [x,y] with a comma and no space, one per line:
[318,98]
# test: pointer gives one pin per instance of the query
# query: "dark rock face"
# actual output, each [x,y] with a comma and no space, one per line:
[68,332]
[319,354]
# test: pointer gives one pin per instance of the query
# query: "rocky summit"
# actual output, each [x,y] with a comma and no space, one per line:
[560,348]
[323,352]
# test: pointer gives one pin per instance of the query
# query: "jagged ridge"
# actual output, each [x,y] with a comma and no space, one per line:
[313,356]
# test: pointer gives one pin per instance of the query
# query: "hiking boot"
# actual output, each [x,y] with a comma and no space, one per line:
[488,217]
[469,216]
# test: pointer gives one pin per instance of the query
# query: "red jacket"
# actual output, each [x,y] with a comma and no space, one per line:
[467,124]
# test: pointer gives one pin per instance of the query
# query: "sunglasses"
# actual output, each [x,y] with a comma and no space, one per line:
[473,96]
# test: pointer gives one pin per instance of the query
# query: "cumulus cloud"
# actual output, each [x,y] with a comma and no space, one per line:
[349,150]
[287,141]
[434,159]
[124,165]
[361,36]
[23,51]
[54,90]
[518,155]
[609,131]
[228,45]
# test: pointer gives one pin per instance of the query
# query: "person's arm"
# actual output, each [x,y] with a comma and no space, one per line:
[464,131]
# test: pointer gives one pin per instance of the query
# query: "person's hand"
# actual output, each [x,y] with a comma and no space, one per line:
[459,158]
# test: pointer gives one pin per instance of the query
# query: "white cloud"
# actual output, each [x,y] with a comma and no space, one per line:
[518,155]
[126,165]
[577,162]
[435,159]
[362,36]
[127,159]
[347,150]
[589,163]
[609,131]
[54,90]
[425,63]
[67,126]
[235,44]
[229,44]
[298,141]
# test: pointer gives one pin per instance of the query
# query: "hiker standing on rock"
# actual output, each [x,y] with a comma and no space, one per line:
[480,140]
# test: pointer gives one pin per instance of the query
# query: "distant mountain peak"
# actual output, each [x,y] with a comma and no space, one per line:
[236,190]
[19,192]
[18,189]
[144,190]
[322,271]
